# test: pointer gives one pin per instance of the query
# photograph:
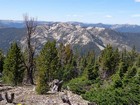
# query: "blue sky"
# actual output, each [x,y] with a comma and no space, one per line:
[90,11]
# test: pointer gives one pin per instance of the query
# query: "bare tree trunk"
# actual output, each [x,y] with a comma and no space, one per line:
[29,77]
[31,25]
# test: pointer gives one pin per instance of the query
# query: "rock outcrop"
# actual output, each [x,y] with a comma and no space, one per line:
[26,95]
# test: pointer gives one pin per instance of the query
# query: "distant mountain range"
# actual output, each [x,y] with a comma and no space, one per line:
[83,37]
[11,24]
[116,27]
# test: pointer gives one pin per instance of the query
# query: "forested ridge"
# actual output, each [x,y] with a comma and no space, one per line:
[112,78]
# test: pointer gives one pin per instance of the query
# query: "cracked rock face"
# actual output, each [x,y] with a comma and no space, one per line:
[27,96]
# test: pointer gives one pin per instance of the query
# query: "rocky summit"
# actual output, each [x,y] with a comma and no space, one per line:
[26,95]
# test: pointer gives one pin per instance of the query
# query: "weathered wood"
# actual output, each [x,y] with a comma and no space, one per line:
[31,26]
[65,99]
[1,98]
[60,86]
[56,85]
[9,100]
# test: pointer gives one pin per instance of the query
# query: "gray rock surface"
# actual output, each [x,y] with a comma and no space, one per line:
[27,95]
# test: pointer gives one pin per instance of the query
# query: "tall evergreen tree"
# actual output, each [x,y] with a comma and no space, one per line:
[109,61]
[122,69]
[68,63]
[13,66]
[133,54]
[47,66]
[93,72]
[82,63]
[89,69]
[129,57]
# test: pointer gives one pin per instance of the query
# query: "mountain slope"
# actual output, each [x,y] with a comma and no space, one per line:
[80,38]
[8,35]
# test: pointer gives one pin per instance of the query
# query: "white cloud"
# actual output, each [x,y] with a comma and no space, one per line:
[108,16]
[136,16]
[137,0]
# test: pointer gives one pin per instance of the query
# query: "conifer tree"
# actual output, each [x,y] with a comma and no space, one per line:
[13,66]
[82,63]
[89,69]
[68,54]
[68,63]
[122,69]
[109,61]
[131,72]
[132,56]
[1,61]
[138,61]
[129,57]
[93,72]
[47,66]
[68,72]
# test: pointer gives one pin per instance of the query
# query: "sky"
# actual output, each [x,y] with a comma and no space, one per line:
[87,11]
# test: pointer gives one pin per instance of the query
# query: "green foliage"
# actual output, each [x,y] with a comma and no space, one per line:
[130,74]
[133,55]
[89,70]
[79,85]
[13,72]
[108,61]
[68,72]
[1,61]
[68,63]
[110,79]
[138,61]
[129,57]
[117,81]
[113,79]
[47,66]
[82,63]
[93,72]
[65,54]
[129,95]
[42,86]
[122,69]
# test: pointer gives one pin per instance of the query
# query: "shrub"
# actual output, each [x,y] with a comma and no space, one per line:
[79,85]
